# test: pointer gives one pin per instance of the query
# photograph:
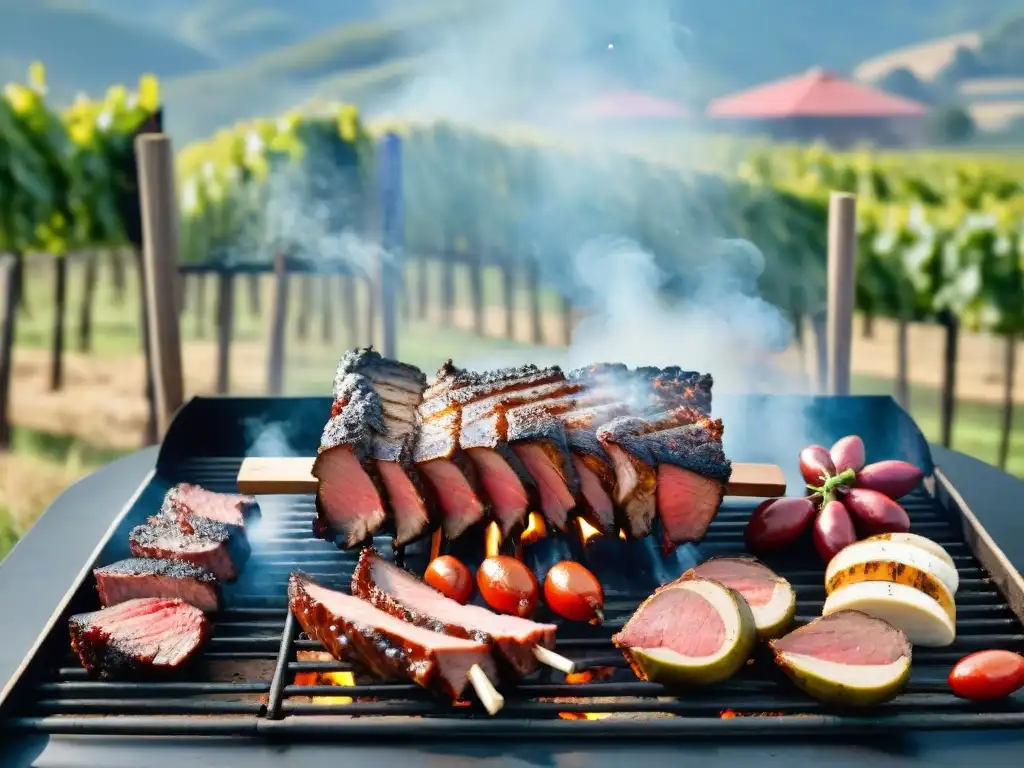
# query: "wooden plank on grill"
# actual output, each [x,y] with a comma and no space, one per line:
[261,476]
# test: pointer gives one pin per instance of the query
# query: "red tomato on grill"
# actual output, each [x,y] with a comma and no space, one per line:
[987,675]
[574,593]
[450,577]
[508,586]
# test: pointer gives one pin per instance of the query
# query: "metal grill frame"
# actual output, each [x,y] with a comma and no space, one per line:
[167,713]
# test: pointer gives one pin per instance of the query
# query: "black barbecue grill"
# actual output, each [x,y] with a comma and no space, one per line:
[245,682]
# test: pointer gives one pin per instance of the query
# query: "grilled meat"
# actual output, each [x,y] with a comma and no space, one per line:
[145,635]
[185,499]
[353,629]
[150,577]
[366,450]
[672,462]
[399,593]
[649,387]
[210,545]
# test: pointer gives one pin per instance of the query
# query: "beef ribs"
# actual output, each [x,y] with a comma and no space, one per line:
[185,499]
[197,540]
[136,637]
[366,450]
[151,577]
[401,594]
[462,471]
[352,629]
[672,463]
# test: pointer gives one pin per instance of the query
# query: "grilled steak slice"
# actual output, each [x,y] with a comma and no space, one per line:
[210,545]
[366,450]
[353,629]
[229,508]
[684,448]
[460,478]
[592,463]
[401,594]
[150,577]
[625,440]
[146,635]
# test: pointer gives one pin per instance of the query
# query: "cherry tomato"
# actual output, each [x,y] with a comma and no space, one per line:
[508,586]
[574,593]
[987,675]
[450,577]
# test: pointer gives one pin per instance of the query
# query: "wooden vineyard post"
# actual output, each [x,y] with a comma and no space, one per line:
[447,285]
[842,258]
[568,319]
[157,192]
[392,235]
[1009,377]
[949,360]
[86,307]
[422,288]
[225,327]
[476,292]
[9,286]
[508,294]
[902,363]
[278,326]
[326,308]
[533,292]
[350,307]
[60,307]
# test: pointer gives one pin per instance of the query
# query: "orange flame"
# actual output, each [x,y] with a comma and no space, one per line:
[536,529]
[492,540]
[587,531]
[342,679]
[582,678]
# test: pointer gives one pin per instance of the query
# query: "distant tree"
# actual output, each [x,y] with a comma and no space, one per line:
[950,124]
[903,82]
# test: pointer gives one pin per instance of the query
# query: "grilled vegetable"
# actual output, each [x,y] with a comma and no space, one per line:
[450,577]
[848,453]
[574,593]
[988,675]
[897,563]
[816,465]
[919,616]
[771,599]
[913,540]
[874,512]
[693,632]
[846,658]
[777,523]
[888,551]
[892,478]
[508,586]
[833,530]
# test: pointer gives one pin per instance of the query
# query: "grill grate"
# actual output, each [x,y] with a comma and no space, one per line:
[246,679]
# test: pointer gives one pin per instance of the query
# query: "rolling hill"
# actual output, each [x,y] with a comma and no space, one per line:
[222,60]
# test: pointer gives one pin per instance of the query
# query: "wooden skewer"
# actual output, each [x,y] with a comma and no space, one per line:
[485,690]
[269,476]
[554,660]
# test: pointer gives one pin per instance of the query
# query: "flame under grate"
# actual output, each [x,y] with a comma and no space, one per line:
[259,675]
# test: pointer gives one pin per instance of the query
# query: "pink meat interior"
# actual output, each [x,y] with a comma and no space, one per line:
[679,620]
[847,637]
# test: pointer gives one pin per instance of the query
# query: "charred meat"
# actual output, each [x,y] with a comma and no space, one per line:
[185,500]
[352,629]
[133,638]
[364,464]
[672,463]
[139,577]
[210,545]
[399,593]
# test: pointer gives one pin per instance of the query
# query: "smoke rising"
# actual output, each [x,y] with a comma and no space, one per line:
[529,62]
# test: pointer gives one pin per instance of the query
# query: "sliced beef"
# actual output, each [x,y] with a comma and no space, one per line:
[847,637]
[682,620]
[151,577]
[592,463]
[503,486]
[688,459]
[186,499]
[365,460]
[211,545]
[401,594]
[136,637]
[352,629]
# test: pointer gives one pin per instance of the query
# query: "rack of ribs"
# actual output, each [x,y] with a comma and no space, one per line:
[364,465]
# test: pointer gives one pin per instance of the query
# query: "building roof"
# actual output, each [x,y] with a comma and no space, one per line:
[631,104]
[816,93]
